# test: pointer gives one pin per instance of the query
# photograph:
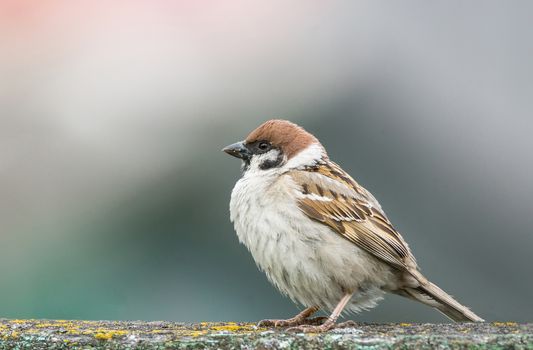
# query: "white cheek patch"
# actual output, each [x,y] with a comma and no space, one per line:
[269,156]
[265,161]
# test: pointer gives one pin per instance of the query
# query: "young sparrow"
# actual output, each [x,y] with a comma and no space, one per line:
[320,237]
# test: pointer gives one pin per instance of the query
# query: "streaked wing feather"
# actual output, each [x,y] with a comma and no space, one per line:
[332,197]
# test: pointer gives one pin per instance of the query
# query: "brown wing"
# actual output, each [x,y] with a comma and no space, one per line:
[332,197]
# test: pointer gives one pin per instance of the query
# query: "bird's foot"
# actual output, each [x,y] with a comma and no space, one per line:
[300,319]
[291,322]
[324,327]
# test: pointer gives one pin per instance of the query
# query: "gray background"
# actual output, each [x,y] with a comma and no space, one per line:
[114,193]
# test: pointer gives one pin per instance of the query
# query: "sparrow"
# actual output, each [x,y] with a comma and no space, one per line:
[319,236]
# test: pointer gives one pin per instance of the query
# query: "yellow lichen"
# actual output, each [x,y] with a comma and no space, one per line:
[198,333]
[103,336]
[504,324]
[45,325]
[14,335]
[232,327]
[109,334]
[19,321]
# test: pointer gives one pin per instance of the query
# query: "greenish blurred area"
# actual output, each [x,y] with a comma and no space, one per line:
[114,198]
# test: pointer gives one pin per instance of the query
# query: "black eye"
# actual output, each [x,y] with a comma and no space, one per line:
[263,146]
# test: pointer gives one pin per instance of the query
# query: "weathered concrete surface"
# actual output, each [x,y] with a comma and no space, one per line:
[45,334]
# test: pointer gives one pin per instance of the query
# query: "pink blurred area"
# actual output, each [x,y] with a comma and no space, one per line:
[28,25]
[89,87]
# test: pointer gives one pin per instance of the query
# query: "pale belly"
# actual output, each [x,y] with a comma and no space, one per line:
[305,259]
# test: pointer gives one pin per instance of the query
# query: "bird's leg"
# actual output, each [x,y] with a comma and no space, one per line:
[295,321]
[330,322]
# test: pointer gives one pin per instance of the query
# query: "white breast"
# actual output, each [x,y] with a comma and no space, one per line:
[305,259]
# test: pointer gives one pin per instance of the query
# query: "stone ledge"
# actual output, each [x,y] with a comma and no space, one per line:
[60,334]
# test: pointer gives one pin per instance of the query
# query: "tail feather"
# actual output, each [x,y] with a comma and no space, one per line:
[430,294]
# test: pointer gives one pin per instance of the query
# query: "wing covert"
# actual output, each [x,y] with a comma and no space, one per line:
[332,197]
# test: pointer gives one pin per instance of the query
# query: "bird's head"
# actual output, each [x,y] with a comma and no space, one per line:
[277,144]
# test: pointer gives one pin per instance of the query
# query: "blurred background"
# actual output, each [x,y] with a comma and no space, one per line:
[114,193]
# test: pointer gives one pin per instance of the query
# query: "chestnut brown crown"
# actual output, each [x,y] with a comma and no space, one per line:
[283,134]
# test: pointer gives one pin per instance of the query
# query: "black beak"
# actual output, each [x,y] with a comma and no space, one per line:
[238,150]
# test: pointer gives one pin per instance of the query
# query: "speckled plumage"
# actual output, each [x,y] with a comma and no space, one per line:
[317,234]
[305,259]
